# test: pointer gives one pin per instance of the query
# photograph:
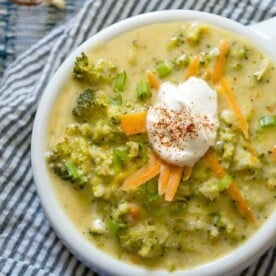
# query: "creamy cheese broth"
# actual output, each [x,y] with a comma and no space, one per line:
[136,52]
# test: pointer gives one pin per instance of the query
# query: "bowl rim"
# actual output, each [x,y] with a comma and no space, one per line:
[83,249]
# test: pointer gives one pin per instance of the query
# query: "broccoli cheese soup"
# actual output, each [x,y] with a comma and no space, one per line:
[162,144]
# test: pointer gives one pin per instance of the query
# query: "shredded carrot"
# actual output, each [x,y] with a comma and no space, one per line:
[143,175]
[221,60]
[274,153]
[214,165]
[207,74]
[192,69]
[153,80]
[173,183]
[134,123]
[163,178]
[232,101]
[134,212]
[233,189]
[242,205]
[187,171]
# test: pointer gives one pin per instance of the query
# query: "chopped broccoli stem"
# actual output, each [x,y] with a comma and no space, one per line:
[163,69]
[225,182]
[113,226]
[118,158]
[120,81]
[195,33]
[263,68]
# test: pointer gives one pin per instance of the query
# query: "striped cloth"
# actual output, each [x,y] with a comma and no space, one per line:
[28,245]
[22,26]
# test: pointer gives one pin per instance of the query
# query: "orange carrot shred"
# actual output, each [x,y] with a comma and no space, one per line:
[242,205]
[135,212]
[142,175]
[187,172]
[233,189]
[163,178]
[153,80]
[134,123]
[221,60]
[174,181]
[207,74]
[232,101]
[274,153]
[214,165]
[192,69]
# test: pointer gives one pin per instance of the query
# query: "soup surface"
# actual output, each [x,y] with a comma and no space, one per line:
[114,166]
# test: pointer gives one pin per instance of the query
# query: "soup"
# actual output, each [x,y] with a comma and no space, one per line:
[161,145]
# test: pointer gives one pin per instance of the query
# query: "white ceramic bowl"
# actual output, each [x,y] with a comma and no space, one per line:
[263,35]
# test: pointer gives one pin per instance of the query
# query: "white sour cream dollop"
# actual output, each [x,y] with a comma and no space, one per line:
[183,122]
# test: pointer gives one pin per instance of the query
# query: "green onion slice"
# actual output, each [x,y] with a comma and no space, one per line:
[143,90]
[268,121]
[120,81]
[225,182]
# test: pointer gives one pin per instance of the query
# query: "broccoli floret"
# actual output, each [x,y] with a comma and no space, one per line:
[89,102]
[68,171]
[85,102]
[94,73]
[97,132]
[102,161]
[83,67]
[74,174]
[69,164]
[106,132]
[149,241]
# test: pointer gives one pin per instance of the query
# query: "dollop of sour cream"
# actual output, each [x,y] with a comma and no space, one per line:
[183,122]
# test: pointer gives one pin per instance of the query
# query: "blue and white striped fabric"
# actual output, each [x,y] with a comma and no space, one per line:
[22,26]
[28,245]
